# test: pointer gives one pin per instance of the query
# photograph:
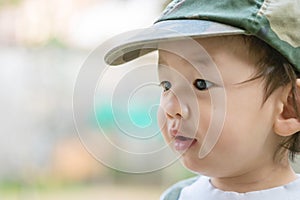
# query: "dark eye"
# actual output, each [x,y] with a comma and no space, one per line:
[166,85]
[202,84]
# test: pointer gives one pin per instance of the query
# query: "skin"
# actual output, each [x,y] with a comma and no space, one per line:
[242,159]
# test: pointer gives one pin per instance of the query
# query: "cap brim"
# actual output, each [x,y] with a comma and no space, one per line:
[147,40]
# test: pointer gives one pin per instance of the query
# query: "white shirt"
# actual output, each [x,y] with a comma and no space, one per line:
[202,189]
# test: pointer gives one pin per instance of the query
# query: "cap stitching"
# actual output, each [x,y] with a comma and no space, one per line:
[263,8]
[172,7]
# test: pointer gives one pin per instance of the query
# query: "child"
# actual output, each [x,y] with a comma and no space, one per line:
[230,104]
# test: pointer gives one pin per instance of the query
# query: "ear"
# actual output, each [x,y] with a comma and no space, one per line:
[287,120]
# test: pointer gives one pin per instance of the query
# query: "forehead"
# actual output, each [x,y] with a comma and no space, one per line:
[186,56]
[222,56]
[201,48]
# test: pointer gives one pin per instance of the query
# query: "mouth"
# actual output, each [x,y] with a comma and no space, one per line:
[183,143]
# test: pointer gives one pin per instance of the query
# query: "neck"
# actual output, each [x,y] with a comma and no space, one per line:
[254,180]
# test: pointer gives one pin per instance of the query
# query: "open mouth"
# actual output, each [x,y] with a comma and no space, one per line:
[182,143]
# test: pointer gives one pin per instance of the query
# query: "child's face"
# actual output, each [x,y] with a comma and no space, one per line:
[191,93]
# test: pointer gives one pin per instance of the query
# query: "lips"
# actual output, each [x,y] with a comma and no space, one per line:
[183,143]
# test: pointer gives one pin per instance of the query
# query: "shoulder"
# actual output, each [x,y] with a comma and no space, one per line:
[174,191]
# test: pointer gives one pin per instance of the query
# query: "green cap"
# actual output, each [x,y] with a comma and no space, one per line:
[276,22]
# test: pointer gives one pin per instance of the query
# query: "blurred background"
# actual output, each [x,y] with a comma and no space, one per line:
[43,44]
[42,47]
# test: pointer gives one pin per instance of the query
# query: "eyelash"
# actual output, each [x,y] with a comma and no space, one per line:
[200,84]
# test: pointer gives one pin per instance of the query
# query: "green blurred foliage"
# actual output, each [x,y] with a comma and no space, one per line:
[56,42]
[9,2]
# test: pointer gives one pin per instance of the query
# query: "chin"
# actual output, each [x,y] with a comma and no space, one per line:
[196,165]
[191,162]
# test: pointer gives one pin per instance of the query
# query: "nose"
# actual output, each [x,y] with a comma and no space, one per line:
[174,106]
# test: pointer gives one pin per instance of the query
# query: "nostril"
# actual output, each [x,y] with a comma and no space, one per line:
[178,115]
[175,109]
[169,115]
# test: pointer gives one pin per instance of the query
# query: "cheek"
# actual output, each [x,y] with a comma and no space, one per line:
[244,109]
[247,126]
[204,118]
[161,118]
[204,123]
[249,115]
